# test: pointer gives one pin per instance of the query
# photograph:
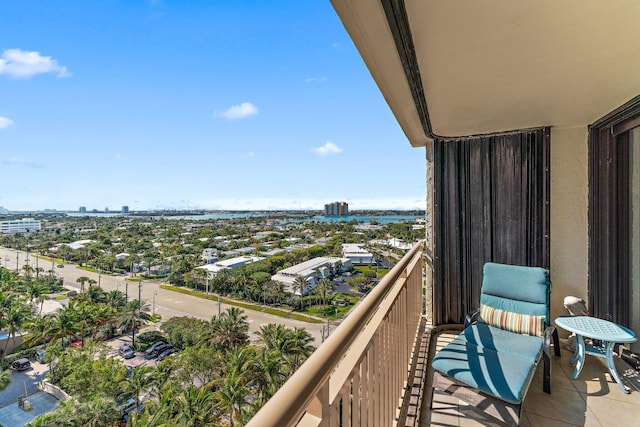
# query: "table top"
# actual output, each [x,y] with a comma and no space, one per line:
[599,329]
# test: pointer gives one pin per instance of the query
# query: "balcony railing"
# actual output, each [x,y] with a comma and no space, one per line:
[359,375]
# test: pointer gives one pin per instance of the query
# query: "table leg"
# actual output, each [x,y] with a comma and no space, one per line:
[575,354]
[612,366]
[579,356]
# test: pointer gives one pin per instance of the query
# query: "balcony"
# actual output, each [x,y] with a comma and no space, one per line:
[374,371]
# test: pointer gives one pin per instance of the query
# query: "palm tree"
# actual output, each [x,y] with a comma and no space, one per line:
[266,372]
[39,328]
[298,348]
[134,312]
[115,299]
[323,286]
[195,407]
[86,316]
[300,284]
[16,318]
[229,330]
[232,395]
[35,290]
[140,379]
[64,324]
[82,280]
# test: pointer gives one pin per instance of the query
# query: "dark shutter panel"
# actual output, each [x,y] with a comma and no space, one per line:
[609,224]
[491,204]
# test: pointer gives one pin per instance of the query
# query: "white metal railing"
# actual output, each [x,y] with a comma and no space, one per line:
[358,376]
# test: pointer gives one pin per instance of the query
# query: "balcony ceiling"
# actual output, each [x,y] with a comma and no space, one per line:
[497,65]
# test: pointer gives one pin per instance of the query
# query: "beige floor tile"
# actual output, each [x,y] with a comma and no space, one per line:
[540,421]
[558,376]
[614,413]
[562,404]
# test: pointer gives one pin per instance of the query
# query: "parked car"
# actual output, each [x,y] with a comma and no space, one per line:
[76,344]
[167,352]
[155,353]
[154,347]
[60,265]
[21,364]
[40,355]
[126,352]
[128,407]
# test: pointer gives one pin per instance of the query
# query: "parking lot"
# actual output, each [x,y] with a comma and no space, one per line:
[139,360]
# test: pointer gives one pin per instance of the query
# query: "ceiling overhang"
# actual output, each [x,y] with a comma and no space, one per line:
[460,68]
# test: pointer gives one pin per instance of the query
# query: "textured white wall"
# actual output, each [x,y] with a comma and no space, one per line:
[569,215]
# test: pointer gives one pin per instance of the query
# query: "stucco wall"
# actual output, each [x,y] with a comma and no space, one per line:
[569,220]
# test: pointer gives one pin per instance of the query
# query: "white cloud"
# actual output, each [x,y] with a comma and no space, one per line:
[25,64]
[5,122]
[249,155]
[316,79]
[328,148]
[242,111]
[20,162]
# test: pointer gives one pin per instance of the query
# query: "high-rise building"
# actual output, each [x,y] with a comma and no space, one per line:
[125,209]
[83,209]
[336,209]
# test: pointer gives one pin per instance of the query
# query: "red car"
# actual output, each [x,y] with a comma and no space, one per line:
[76,344]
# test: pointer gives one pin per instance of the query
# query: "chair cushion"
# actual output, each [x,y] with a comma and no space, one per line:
[525,346]
[496,373]
[514,322]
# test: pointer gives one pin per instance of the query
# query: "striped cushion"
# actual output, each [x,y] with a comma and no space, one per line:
[514,322]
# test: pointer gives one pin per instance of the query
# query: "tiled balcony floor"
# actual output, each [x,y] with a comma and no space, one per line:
[593,400]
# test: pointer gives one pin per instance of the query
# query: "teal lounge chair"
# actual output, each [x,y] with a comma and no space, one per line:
[492,362]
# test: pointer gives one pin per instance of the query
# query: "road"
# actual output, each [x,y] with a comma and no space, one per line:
[163,302]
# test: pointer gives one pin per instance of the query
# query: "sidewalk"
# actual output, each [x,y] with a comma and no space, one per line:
[12,415]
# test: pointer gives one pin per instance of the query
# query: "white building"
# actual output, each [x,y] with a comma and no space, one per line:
[209,255]
[313,270]
[24,225]
[358,254]
[229,264]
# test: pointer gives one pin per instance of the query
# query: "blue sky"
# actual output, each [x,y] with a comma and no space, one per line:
[198,104]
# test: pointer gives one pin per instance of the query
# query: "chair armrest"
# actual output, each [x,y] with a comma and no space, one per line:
[551,333]
[471,317]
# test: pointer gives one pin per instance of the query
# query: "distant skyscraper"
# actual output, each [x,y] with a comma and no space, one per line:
[125,209]
[336,209]
[83,209]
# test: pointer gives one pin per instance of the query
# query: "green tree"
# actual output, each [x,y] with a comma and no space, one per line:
[82,280]
[15,319]
[230,330]
[5,379]
[300,285]
[133,313]
[232,396]
[63,325]
[323,286]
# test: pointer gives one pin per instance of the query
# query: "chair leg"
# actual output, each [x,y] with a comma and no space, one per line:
[546,381]
[556,343]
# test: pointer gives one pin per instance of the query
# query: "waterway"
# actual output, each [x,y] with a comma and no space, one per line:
[292,216]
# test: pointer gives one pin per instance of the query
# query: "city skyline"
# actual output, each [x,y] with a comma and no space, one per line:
[160,104]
